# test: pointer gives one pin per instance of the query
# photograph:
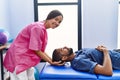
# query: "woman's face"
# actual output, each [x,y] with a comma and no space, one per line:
[55,22]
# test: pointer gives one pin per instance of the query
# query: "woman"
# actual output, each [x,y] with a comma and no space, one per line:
[29,48]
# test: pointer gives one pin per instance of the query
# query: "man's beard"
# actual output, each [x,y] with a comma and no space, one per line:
[70,51]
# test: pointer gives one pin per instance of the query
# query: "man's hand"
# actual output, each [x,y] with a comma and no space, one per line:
[106,67]
[102,48]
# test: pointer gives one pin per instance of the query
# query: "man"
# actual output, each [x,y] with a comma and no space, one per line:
[99,60]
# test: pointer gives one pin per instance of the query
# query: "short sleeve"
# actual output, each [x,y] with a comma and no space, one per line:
[83,64]
[36,38]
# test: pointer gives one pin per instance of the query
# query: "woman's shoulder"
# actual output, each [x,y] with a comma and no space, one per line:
[38,25]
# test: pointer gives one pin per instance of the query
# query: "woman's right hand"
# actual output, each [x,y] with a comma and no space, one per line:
[57,63]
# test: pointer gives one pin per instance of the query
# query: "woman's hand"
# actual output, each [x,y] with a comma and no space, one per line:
[58,63]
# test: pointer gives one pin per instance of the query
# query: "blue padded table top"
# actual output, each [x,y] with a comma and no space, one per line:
[115,76]
[50,72]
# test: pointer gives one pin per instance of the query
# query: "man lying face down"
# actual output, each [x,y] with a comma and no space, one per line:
[97,60]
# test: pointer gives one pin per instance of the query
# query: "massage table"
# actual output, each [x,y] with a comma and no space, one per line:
[49,72]
[115,76]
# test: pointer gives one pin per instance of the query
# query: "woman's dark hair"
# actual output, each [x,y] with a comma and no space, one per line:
[53,14]
[56,56]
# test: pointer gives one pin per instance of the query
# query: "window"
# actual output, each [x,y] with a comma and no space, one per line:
[69,31]
[56,1]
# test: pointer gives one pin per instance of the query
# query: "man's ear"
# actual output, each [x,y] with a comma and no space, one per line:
[64,58]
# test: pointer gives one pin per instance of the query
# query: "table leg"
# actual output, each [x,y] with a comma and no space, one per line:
[2,69]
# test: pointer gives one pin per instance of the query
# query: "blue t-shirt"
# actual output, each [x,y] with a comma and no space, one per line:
[86,59]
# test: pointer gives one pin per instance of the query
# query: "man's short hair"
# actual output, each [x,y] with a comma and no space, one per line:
[56,56]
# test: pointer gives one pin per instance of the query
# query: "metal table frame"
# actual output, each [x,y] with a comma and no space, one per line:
[2,48]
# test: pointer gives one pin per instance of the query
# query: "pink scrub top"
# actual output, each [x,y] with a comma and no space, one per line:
[21,54]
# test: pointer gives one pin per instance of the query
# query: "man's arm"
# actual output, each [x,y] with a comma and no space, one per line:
[106,68]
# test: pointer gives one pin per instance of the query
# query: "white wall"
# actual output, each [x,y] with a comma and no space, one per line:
[15,14]
[100,23]
[119,26]
[21,13]
[4,18]
[99,20]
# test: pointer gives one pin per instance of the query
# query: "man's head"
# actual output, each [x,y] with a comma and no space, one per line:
[62,54]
